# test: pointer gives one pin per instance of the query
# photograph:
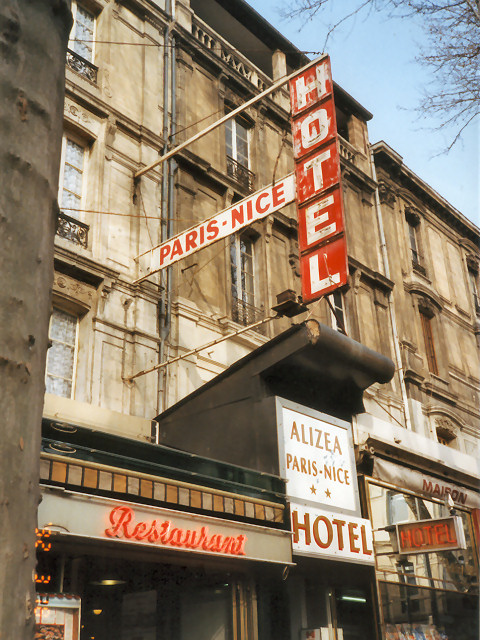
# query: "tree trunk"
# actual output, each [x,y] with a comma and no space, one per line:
[33,41]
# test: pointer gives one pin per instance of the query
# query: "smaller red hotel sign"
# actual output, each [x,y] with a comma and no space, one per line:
[425,536]
[322,245]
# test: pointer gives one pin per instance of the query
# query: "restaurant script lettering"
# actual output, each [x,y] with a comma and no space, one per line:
[163,532]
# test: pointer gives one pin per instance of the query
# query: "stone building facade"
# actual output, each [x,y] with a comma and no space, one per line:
[143,76]
[120,74]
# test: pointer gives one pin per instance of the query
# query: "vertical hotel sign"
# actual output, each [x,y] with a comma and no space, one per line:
[322,243]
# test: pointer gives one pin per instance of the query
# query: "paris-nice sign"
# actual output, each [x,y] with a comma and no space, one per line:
[251,209]
[315,185]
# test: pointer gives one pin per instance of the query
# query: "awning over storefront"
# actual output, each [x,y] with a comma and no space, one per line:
[430,486]
[232,417]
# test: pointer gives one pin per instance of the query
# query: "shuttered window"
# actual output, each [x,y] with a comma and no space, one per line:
[429,344]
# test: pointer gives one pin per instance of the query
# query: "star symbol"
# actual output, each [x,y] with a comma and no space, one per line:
[328,494]
[312,489]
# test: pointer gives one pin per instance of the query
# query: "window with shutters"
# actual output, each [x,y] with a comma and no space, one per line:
[237,147]
[242,271]
[426,321]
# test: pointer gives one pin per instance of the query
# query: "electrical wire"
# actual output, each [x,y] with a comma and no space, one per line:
[129,215]
[145,216]
[155,44]
[194,123]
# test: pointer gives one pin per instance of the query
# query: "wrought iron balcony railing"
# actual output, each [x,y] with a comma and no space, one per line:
[82,66]
[73,230]
[246,314]
[241,174]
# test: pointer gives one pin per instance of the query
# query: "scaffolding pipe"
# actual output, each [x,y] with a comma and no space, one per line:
[228,116]
[198,349]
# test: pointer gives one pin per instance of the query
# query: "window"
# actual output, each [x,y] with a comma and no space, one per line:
[236,142]
[71,191]
[82,34]
[236,138]
[429,344]
[81,50]
[338,313]
[71,176]
[412,217]
[61,356]
[412,235]
[472,276]
[243,279]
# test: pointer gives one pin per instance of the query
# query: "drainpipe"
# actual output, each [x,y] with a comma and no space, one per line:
[172,166]
[391,308]
[167,201]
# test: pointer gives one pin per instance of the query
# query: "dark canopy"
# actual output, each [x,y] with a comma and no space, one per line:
[232,417]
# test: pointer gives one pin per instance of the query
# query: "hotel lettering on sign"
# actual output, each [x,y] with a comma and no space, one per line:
[322,245]
[324,533]
[425,536]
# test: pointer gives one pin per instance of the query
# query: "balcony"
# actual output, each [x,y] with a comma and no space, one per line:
[240,174]
[228,54]
[72,230]
[246,314]
[347,151]
[82,66]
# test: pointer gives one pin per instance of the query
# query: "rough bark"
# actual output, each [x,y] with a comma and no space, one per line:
[33,40]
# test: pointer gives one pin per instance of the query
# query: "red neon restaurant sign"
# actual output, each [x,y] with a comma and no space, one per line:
[123,523]
[424,536]
[322,244]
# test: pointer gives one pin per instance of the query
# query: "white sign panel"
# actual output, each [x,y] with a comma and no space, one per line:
[317,458]
[241,214]
[137,524]
[325,533]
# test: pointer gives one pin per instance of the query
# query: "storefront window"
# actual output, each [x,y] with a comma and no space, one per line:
[206,612]
[424,596]
[139,600]
[354,615]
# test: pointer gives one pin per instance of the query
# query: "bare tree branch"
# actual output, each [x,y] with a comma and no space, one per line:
[450,50]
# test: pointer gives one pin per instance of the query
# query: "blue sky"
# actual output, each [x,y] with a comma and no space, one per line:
[373,59]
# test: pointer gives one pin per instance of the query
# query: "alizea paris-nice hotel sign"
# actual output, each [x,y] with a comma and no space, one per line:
[315,185]
[316,458]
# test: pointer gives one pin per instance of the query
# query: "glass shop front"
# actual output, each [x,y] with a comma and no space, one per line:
[423,596]
[111,569]
[130,597]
